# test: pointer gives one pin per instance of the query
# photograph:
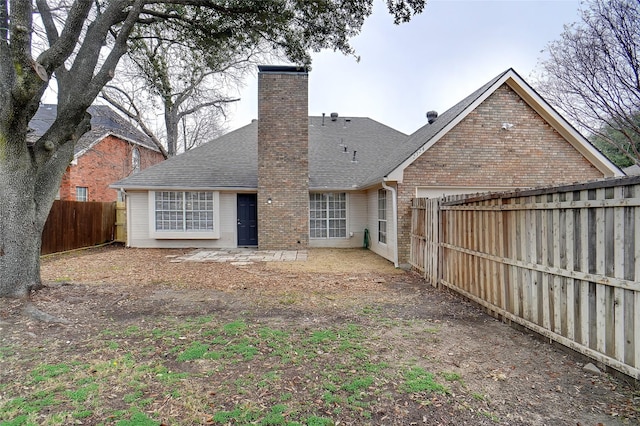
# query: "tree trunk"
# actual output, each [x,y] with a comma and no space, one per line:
[171,124]
[27,192]
[20,234]
[20,250]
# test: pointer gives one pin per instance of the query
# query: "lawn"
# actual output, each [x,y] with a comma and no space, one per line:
[152,341]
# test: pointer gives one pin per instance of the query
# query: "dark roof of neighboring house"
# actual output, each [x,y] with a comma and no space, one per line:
[231,161]
[104,121]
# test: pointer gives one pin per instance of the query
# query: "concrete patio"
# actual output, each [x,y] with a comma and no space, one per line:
[242,256]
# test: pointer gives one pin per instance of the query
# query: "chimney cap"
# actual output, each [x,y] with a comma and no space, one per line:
[282,69]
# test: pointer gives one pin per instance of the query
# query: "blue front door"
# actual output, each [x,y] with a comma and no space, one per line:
[247,220]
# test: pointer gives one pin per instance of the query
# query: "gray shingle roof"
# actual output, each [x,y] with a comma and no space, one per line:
[104,121]
[231,161]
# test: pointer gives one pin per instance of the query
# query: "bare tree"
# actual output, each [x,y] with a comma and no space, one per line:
[593,73]
[83,44]
[169,76]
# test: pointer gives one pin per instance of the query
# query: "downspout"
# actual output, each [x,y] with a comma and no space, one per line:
[394,215]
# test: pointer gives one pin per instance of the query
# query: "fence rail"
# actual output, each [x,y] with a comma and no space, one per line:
[563,261]
[74,224]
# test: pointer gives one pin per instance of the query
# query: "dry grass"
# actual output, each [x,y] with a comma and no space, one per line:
[338,261]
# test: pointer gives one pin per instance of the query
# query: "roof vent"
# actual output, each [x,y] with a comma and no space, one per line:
[334,116]
[431,116]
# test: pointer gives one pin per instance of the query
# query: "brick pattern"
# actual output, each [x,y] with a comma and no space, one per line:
[106,162]
[283,164]
[478,152]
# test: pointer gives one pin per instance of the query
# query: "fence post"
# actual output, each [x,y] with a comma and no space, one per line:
[438,230]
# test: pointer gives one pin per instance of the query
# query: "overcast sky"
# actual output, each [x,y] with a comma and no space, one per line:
[431,63]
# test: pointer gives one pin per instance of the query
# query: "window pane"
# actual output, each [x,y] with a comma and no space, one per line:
[382,216]
[82,193]
[328,215]
[184,211]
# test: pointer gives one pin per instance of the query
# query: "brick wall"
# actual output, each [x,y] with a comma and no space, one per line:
[478,152]
[106,162]
[283,165]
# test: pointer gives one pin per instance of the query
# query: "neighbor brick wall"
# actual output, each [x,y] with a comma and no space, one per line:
[283,165]
[477,153]
[105,163]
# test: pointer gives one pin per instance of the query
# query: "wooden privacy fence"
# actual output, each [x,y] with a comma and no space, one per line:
[75,224]
[563,261]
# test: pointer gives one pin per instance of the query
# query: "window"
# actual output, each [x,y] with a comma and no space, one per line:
[135,160]
[382,216]
[82,193]
[184,215]
[184,211]
[328,215]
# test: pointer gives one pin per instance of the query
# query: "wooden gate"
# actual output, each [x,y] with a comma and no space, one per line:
[121,222]
[425,237]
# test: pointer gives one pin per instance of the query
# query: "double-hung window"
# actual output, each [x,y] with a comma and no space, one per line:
[382,216]
[176,213]
[328,215]
[82,193]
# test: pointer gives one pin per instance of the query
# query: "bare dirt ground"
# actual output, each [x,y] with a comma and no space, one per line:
[508,375]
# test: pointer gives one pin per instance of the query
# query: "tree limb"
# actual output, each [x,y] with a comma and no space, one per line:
[137,116]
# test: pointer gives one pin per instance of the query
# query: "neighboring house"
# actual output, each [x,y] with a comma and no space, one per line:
[291,181]
[633,170]
[111,150]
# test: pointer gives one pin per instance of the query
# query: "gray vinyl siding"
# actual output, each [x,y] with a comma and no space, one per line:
[138,225]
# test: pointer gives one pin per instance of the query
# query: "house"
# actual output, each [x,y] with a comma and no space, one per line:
[291,181]
[111,150]
[633,170]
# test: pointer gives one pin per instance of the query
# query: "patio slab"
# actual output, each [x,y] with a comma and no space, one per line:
[243,256]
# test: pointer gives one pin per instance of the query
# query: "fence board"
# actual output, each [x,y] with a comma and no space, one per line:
[563,261]
[74,224]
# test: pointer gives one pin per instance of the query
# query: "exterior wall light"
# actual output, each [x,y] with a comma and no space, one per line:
[269,200]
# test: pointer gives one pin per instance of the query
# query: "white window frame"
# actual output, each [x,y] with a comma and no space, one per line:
[82,193]
[184,234]
[326,218]
[382,216]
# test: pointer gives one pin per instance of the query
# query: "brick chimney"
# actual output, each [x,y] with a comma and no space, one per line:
[283,160]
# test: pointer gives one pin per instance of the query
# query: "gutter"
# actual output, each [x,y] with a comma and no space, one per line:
[394,213]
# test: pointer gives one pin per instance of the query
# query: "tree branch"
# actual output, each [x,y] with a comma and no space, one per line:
[62,46]
[137,116]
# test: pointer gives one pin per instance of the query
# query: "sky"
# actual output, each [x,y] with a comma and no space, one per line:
[431,63]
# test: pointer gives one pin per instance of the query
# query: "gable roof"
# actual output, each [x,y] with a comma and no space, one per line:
[425,137]
[382,153]
[104,121]
[231,161]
